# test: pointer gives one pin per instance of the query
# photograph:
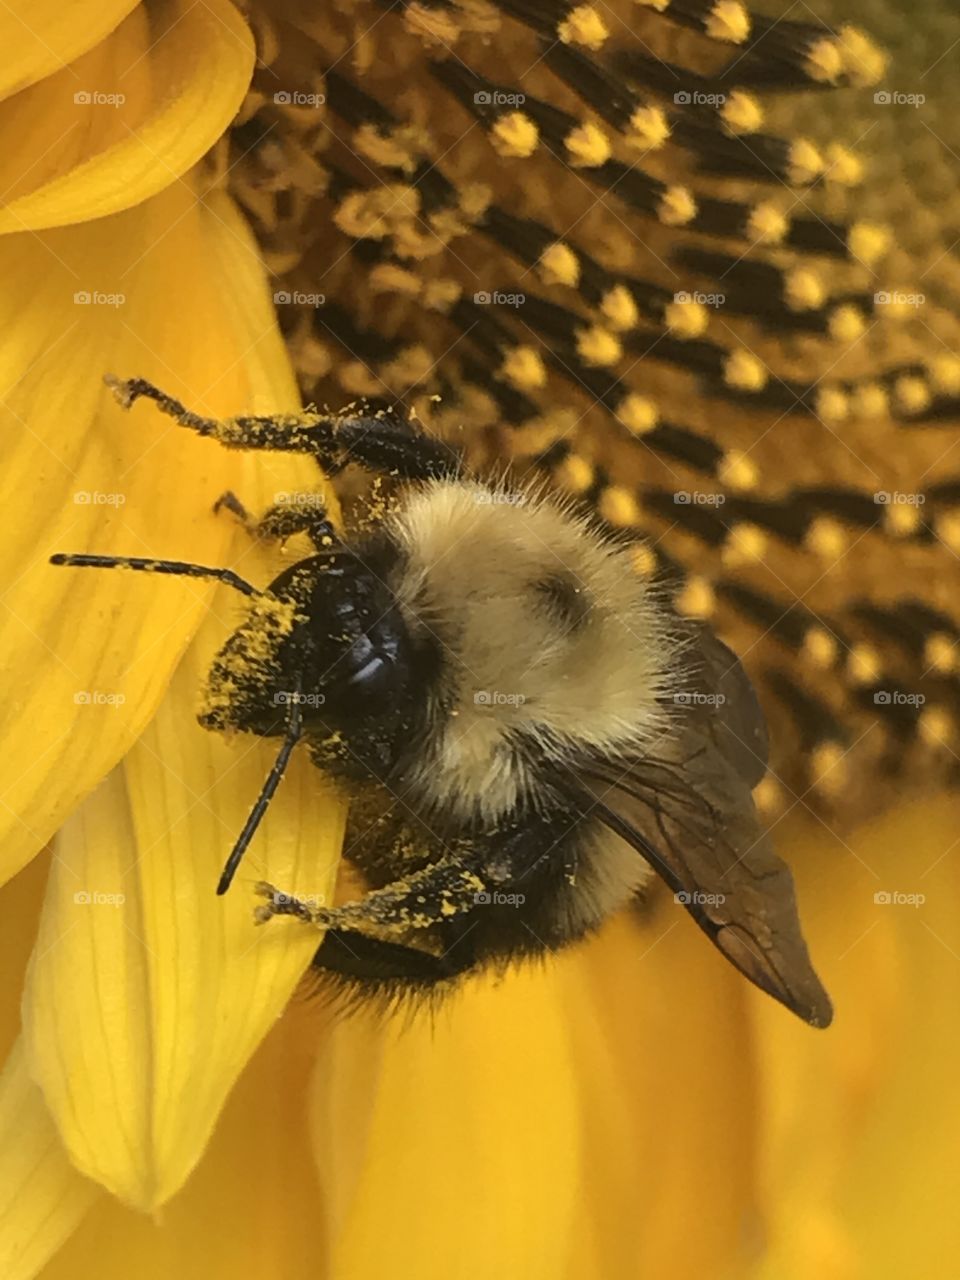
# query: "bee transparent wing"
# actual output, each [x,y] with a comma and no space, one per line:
[694,821]
[738,726]
[697,827]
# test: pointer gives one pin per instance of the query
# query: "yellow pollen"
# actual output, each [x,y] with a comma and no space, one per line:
[846,323]
[900,519]
[832,405]
[643,560]
[805,163]
[768,796]
[827,538]
[863,664]
[843,166]
[828,766]
[637,413]
[744,372]
[868,242]
[619,308]
[940,652]
[559,265]
[911,394]
[741,113]
[870,400]
[864,62]
[584,26]
[824,62]
[649,128]
[820,647]
[803,290]
[515,136]
[588,146]
[598,347]
[618,506]
[524,369]
[677,207]
[696,599]
[935,725]
[767,224]
[575,474]
[686,319]
[737,470]
[745,544]
[728,21]
[945,373]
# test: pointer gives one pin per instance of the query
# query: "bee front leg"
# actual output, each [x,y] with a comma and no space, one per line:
[301,513]
[387,443]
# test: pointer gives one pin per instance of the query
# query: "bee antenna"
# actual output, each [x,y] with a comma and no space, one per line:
[178,568]
[290,740]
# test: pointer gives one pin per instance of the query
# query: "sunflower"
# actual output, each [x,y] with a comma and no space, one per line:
[638,248]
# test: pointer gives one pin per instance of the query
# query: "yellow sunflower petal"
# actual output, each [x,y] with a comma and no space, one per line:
[843,1115]
[42,1197]
[251,1209]
[127,118]
[50,34]
[664,1054]
[450,1147]
[190,309]
[148,992]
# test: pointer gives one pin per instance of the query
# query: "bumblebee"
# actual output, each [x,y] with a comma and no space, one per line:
[527,731]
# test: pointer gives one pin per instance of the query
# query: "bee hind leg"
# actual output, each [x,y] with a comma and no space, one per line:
[431,896]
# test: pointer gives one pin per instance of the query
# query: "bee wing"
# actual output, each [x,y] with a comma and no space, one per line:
[694,820]
[738,726]
[698,829]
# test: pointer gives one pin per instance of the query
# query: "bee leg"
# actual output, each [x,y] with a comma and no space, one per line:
[304,514]
[431,896]
[228,501]
[380,442]
[374,960]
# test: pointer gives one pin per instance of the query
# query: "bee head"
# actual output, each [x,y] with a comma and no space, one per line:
[325,635]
